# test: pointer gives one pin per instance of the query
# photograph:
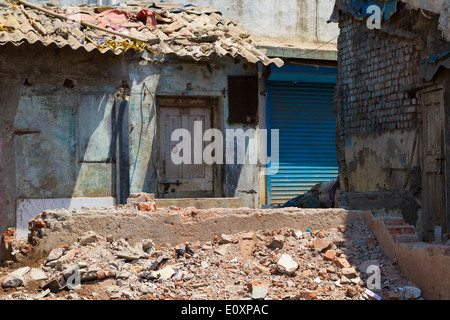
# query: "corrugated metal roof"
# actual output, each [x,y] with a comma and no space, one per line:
[184,31]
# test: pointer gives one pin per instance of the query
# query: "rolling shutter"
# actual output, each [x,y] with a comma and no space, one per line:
[304,115]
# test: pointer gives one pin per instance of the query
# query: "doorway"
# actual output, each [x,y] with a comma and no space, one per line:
[185,180]
[433,162]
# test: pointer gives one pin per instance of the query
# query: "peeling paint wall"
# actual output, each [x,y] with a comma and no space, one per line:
[149,81]
[59,141]
[380,161]
[38,127]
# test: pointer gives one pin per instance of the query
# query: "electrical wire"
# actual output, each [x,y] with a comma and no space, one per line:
[321,46]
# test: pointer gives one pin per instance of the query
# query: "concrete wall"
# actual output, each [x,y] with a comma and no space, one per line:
[56,141]
[38,127]
[427,265]
[297,20]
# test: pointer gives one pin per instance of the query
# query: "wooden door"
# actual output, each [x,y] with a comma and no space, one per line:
[186,180]
[433,162]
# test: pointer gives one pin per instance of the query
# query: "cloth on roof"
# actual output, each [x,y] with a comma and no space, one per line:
[431,66]
[197,32]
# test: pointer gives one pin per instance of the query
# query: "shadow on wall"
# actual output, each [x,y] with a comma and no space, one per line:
[65,148]
[146,141]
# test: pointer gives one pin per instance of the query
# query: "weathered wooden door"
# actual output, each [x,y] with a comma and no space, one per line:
[185,180]
[433,162]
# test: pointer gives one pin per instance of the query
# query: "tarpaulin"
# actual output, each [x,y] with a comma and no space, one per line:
[430,67]
[358,8]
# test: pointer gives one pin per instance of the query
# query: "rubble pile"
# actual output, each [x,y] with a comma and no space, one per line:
[286,264]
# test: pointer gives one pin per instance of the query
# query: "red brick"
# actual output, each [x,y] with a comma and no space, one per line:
[352,291]
[405,238]
[409,230]
[321,245]
[40,224]
[395,230]
[9,232]
[342,263]
[330,255]
[26,250]
[146,207]
[310,295]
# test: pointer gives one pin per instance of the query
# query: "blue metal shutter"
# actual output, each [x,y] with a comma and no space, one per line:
[304,115]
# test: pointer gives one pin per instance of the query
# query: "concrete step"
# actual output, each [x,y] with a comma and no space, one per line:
[200,203]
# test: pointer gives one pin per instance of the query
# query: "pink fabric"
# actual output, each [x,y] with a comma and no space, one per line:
[113,17]
[147,17]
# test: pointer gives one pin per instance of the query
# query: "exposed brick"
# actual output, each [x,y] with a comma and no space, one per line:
[405,238]
[395,230]
[394,221]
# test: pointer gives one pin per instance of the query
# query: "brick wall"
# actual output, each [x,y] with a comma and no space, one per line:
[375,72]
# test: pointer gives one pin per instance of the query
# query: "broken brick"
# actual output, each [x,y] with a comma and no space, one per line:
[147,207]
[352,291]
[310,295]
[40,224]
[342,263]
[321,245]
[330,255]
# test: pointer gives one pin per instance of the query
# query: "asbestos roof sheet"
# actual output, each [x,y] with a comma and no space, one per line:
[160,28]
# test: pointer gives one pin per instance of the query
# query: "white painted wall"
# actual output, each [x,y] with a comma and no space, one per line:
[297,20]
[28,209]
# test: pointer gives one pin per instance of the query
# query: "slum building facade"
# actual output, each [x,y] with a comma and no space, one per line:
[296,99]
[89,103]
[392,105]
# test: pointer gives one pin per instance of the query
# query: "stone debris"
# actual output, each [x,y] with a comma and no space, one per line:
[87,238]
[281,264]
[37,274]
[55,254]
[15,278]
[286,264]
